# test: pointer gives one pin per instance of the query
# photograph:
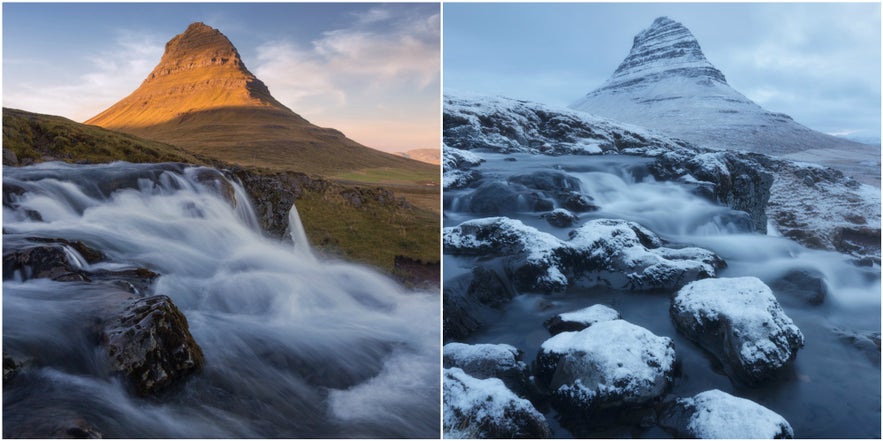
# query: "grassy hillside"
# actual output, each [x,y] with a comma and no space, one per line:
[372,232]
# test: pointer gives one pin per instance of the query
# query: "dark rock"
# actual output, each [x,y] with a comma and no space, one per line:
[715,415]
[88,253]
[579,203]
[10,367]
[578,320]
[609,364]
[489,361]
[475,408]
[551,181]
[466,300]
[805,284]
[741,323]
[151,346]
[415,272]
[560,218]
[9,157]
[41,261]
[867,342]
[64,426]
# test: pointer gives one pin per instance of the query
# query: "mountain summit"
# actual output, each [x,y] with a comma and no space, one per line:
[202,97]
[666,83]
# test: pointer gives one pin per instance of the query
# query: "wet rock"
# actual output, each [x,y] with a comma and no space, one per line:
[9,157]
[807,285]
[609,364]
[41,261]
[483,361]
[475,408]
[151,346]
[868,342]
[57,427]
[493,198]
[555,182]
[741,323]
[465,301]
[10,367]
[581,319]
[574,201]
[560,218]
[88,253]
[715,415]
[458,167]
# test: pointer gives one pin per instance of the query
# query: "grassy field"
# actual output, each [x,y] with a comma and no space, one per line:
[373,233]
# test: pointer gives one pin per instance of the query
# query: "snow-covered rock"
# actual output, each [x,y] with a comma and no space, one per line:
[506,125]
[740,322]
[615,253]
[608,364]
[475,408]
[580,319]
[458,167]
[714,415]
[489,361]
[666,83]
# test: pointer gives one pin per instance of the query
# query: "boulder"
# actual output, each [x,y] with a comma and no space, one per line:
[41,261]
[483,361]
[581,319]
[10,367]
[714,415]
[466,298]
[475,408]
[807,285]
[609,364]
[458,164]
[150,344]
[740,322]
[560,217]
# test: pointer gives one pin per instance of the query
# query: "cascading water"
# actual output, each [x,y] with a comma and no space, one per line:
[832,390]
[294,347]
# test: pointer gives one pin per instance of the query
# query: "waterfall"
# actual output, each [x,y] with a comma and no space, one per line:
[294,347]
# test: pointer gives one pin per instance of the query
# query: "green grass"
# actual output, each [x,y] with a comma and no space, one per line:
[387,175]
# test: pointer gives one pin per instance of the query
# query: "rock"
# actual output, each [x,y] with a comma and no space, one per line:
[483,361]
[417,273]
[574,201]
[474,408]
[714,415]
[581,319]
[9,157]
[60,425]
[465,300]
[89,254]
[740,322]
[609,364]
[804,284]
[614,253]
[10,367]
[560,218]
[867,342]
[555,182]
[493,198]
[458,164]
[151,346]
[41,261]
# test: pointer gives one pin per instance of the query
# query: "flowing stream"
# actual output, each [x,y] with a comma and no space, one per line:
[295,346]
[832,390]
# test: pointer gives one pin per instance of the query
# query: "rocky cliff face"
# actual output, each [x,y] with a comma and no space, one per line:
[666,83]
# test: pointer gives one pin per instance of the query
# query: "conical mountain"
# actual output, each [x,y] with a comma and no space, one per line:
[666,83]
[202,97]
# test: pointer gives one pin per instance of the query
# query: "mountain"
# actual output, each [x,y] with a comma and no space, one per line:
[202,97]
[666,83]
[429,156]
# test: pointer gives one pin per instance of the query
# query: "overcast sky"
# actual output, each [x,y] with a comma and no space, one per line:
[819,63]
[369,70]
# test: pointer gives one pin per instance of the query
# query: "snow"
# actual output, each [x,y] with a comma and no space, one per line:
[591,315]
[635,368]
[479,403]
[760,327]
[502,355]
[721,415]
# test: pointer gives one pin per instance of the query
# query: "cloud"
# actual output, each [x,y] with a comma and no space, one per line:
[113,74]
[386,60]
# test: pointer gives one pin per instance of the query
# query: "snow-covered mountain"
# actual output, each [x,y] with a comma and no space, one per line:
[666,83]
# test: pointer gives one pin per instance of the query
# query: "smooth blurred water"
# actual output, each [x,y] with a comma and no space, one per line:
[832,390]
[294,346]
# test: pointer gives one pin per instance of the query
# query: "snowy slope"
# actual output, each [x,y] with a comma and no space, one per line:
[666,83]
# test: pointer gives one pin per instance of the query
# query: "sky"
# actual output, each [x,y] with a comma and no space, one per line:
[818,62]
[369,70]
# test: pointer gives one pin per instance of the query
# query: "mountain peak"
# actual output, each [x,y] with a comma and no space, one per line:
[665,48]
[199,70]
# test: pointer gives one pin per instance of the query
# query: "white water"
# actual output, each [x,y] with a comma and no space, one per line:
[832,389]
[294,346]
